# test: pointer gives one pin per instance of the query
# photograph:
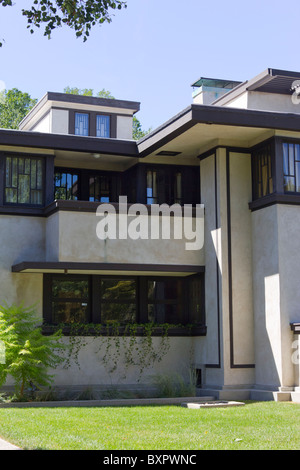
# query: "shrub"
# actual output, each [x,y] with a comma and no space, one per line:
[28,353]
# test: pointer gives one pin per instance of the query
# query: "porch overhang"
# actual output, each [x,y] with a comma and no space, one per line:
[65,267]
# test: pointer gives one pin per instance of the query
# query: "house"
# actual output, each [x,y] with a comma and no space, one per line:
[232,301]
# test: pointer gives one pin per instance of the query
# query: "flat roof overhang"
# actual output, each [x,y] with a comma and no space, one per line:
[65,267]
[68,142]
[245,123]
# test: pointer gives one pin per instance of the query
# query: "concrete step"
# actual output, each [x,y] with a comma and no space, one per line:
[295,396]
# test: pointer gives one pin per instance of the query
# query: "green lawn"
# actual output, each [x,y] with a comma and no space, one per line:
[257,425]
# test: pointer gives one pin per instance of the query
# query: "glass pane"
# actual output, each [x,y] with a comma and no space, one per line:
[291,160]
[8,172]
[289,183]
[118,313]
[24,189]
[103,126]
[297,152]
[81,124]
[195,296]
[39,176]
[151,187]
[33,174]
[15,172]
[285,159]
[116,290]
[264,180]
[166,313]
[177,188]
[164,290]
[298,177]
[69,312]
[70,289]
[11,195]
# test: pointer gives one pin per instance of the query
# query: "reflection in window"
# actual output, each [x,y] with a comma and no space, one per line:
[165,301]
[164,186]
[262,171]
[103,126]
[100,188]
[124,300]
[70,300]
[118,300]
[152,197]
[81,124]
[66,185]
[291,167]
[24,180]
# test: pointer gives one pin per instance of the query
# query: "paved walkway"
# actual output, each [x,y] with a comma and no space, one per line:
[7,446]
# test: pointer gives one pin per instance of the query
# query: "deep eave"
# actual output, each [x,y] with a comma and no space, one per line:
[68,142]
[216,115]
[191,116]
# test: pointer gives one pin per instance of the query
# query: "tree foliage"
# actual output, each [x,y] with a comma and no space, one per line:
[79,15]
[137,131]
[28,353]
[14,105]
[89,92]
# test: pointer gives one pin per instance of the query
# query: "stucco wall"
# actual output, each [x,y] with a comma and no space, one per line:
[75,235]
[277,297]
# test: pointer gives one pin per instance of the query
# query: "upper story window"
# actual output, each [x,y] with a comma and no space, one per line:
[66,185]
[291,167]
[81,124]
[24,177]
[262,167]
[100,188]
[164,185]
[92,124]
[102,126]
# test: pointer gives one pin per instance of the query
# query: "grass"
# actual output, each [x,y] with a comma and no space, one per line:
[255,426]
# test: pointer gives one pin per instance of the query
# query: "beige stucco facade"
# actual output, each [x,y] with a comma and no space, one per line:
[248,250]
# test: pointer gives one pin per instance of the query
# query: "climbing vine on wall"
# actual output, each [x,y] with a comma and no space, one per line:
[121,346]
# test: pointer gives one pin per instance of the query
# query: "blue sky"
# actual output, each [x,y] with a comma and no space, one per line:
[153,51]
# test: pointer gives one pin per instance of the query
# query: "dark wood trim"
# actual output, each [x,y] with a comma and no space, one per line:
[63,266]
[287,198]
[233,365]
[213,150]
[39,140]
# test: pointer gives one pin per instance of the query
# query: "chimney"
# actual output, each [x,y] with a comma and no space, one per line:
[207,90]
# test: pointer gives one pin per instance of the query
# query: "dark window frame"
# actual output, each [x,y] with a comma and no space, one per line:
[47,184]
[263,155]
[95,300]
[190,183]
[84,176]
[290,142]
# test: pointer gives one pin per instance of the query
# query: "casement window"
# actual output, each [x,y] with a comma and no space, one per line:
[102,126]
[92,124]
[123,299]
[100,187]
[24,180]
[164,186]
[291,167]
[81,124]
[66,185]
[262,167]
[70,299]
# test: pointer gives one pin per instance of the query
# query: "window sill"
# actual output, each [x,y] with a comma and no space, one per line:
[292,198]
[135,330]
